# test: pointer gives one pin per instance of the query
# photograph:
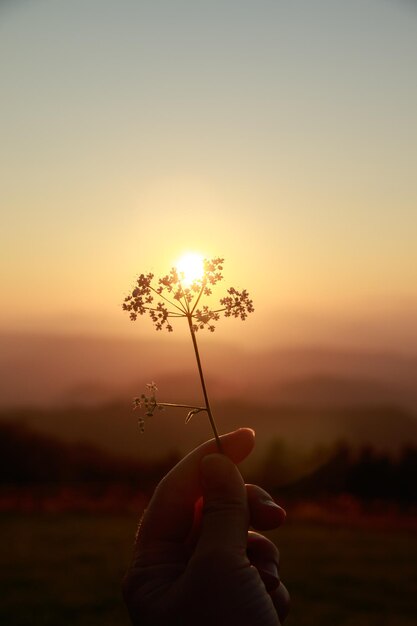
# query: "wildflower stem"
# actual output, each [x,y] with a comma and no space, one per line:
[182,406]
[199,296]
[184,295]
[203,384]
[180,308]
[233,306]
[170,313]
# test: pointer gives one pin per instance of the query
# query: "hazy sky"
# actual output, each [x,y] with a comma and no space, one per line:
[280,135]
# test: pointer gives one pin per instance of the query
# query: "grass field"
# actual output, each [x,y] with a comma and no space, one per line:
[65,569]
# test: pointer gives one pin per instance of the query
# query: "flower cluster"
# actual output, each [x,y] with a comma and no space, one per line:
[148,403]
[237,303]
[169,298]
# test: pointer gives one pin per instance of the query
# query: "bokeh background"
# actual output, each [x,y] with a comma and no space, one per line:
[282,137]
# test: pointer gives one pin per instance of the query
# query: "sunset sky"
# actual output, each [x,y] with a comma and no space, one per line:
[279,135]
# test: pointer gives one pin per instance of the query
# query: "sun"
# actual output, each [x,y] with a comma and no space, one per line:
[190,267]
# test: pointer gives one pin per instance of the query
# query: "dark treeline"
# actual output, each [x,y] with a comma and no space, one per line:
[364,473]
[31,458]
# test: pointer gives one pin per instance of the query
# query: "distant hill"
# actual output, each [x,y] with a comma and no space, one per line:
[57,370]
[113,428]
[80,389]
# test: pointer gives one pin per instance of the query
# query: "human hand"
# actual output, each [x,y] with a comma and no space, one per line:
[195,561]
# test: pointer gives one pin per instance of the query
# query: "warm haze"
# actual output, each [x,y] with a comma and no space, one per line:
[280,136]
[286,142]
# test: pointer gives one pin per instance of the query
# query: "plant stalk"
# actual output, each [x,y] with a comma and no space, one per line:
[203,385]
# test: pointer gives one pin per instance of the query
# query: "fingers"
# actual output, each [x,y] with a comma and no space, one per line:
[281,600]
[225,515]
[261,548]
[265,514]
[171,511]
[264,555]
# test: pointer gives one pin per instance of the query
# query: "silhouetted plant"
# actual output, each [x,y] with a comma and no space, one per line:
[169,298]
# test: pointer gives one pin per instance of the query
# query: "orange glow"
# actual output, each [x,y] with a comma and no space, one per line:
[190,267]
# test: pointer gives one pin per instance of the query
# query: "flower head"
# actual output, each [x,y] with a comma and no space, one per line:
[173,296]
[170,297]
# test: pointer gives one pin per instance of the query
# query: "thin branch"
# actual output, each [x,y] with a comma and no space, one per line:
[203,385]
[170,313]
[184,295]
[182,406]
[167,300]
[204,283]
[232,306]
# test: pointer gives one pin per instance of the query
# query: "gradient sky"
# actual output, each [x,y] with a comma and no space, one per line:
[280,135]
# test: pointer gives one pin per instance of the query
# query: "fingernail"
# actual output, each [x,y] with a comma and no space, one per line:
[250,429]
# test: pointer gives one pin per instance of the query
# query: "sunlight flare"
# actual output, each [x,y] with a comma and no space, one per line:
[190,267]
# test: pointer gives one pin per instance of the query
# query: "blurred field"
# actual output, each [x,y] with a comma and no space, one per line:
[65,569]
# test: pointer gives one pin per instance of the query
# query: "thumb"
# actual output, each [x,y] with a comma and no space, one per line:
[225,519]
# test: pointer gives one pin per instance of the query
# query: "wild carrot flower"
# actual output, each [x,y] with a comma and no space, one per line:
[170,297]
